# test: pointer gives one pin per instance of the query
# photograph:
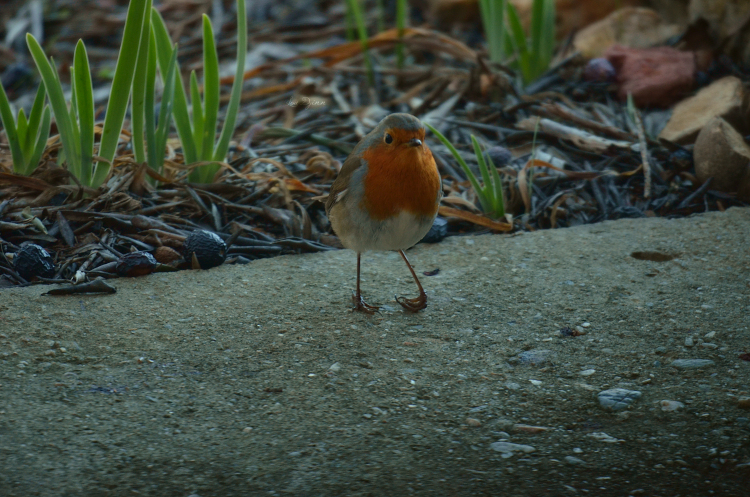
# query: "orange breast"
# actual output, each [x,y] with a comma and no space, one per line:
[400,180]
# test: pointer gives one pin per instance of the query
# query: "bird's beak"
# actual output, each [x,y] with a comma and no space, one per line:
[414,142]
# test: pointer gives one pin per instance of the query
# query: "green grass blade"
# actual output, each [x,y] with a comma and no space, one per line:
[165,112]
[35,117]
[57,102]
[84,96]
[41,140]
[497,186]
[487,190]
[211,95]
[73,111]
[483,201]
[356,10]
[180,111]
[149,91]
[121,85]
[197,107]
[547,43]
[518,40]
[9,123]
[138,100]
[22,127]
[234,99]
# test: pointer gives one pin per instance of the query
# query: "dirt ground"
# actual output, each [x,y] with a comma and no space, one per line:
[258,380]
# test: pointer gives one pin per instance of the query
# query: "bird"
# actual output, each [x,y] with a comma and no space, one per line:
[386,197]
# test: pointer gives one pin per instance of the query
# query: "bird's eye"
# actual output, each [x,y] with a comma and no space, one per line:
[388,138]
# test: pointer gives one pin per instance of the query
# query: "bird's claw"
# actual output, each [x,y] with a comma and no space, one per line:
[415,304]
[362,306]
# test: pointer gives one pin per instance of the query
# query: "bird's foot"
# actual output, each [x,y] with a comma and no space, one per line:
[413,305]
[362,306]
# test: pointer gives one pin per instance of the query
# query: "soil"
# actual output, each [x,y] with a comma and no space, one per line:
[258,380]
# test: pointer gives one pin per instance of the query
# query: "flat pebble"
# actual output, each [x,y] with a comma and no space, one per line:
[710,334]
[616,399]
[473,422]
[743,402]
[689,342]
[512,386]
[671,405]
[507,449]
[587,372]
[574,461]
[535,356]
[691,363]
[335,367]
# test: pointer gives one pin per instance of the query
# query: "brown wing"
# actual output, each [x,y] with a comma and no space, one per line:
[351,164]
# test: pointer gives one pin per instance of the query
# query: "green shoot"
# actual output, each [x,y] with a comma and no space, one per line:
[355,8]
[198,135]
[490,195]
[27,138]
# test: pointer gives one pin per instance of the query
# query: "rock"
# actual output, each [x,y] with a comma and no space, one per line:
[603,437]
[473,422]
[587,372]
[599,70]
[335,367]
[721,153]
[725,98]
[689,342]
[616,399]
[630,27]
[507,449]
[535,356]
[743,402]
[660,350]
[691,363]
[655,77]
[438,231]
[671,405]
[574,461]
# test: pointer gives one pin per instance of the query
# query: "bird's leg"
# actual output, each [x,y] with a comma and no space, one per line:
[359,302]
[416,304]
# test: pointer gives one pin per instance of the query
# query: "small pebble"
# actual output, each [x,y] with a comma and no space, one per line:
[574,461]
[616,399]
[689,342]
[707,345]
[710,334]
[335,367]
[586,325]
[535,356]
[691,363]
[660,350]
[587,372]
[671,405]
[473,422]
[507,449]
[743,402]
[247,430]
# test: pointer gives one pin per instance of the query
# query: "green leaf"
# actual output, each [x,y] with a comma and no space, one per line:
[355,8]
[22,126]
[211,97]
[35,116]
[197,107]
[138,100]
[230,120]
[518,41]
[487,190]
[497,185]
[84,97]
[165,111]
[9,123]
[121,86]
[483,200]
[57,102]
[402,16]
[180,112]
[149,105]
[41,141]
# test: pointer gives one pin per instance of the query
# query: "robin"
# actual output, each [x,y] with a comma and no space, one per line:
[386,197]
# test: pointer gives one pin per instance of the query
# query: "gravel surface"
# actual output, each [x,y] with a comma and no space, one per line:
[258,380]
